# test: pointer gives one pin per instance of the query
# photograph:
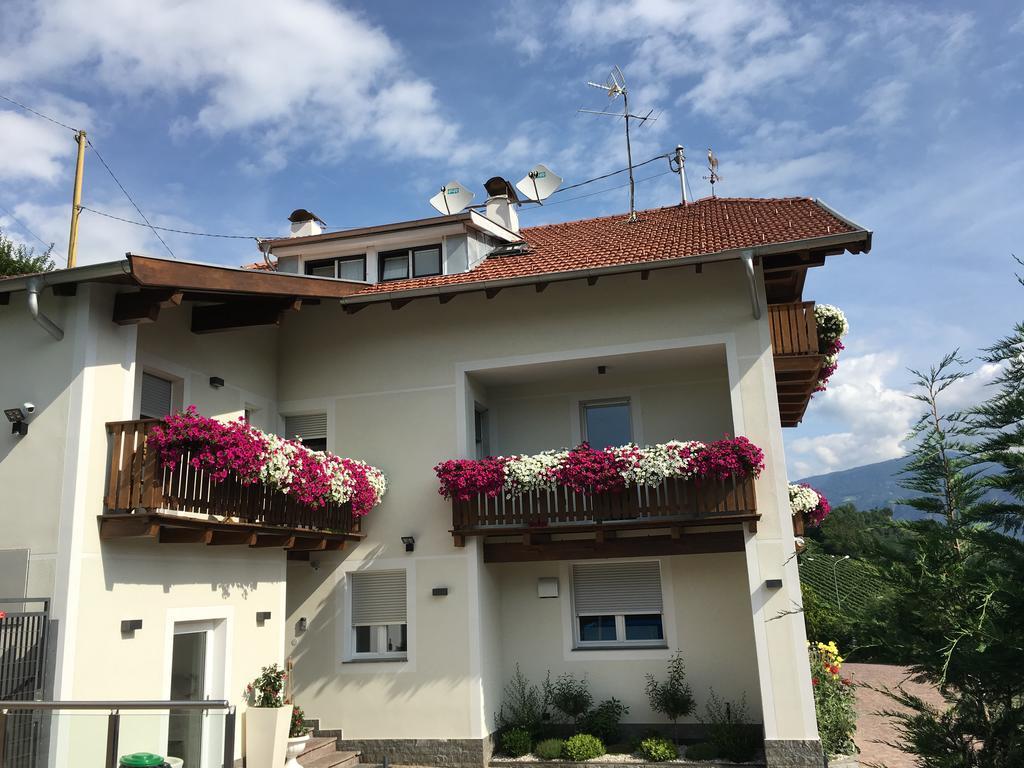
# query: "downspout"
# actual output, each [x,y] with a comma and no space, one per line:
[747,257]
[32,289]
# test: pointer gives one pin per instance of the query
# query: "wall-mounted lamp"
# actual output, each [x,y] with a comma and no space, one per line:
[602,370]
[302,625]
[216,382]
[262,617]
[129,627]
[439,591]
[410,543]
[19,419]
[773,583]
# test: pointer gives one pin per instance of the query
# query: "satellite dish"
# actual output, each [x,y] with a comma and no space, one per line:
[539,183]
[453,198]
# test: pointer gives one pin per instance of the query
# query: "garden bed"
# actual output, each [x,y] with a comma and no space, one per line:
[612,761]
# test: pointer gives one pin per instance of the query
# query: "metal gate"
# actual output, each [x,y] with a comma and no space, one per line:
[23,638]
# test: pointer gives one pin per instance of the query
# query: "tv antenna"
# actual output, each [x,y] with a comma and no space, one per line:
[677,164]
[615,87]
[712,176]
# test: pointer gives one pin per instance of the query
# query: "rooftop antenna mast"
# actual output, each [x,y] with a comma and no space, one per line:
[677,164]
[712,176]
[615,87]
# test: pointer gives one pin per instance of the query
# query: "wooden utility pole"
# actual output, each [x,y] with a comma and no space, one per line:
[76,201]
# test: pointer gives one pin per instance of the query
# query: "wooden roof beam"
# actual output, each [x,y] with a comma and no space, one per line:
[144,306]
[240,314]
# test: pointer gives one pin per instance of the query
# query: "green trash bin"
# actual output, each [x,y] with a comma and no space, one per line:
[142,760]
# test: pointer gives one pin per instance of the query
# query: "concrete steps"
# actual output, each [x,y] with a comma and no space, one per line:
[322,752]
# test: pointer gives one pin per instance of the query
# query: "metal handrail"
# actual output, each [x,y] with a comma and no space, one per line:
[115,707]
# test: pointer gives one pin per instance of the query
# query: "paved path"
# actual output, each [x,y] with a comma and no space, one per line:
[872,728]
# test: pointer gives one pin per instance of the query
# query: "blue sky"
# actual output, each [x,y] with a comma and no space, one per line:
[224,116]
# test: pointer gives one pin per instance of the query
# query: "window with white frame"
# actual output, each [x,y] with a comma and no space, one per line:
[606,422]
[379,628]
[618,604]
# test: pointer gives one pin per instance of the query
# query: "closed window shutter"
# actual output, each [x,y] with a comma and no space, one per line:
[308,427]
[156,397]
[612,588]
[378,597]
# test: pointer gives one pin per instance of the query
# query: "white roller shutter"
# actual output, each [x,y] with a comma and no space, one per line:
[156,397]
[378,597]
[614,588]
[310,426]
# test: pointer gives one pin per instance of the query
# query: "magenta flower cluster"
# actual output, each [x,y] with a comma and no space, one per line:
[589,470]
[217,448]
[831,365]
[820,512]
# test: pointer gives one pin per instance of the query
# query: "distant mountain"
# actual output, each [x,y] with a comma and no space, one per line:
[870,486]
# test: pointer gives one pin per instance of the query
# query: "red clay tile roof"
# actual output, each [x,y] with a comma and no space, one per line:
[259,266]
[708,226]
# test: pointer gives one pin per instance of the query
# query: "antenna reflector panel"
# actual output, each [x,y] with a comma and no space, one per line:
[539,183]
[453,198]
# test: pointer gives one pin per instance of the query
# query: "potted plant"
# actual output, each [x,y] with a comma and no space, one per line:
[266,720]
[298,735]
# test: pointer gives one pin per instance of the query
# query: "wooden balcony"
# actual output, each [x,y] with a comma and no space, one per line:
[145,500]
[797,359]
[640,521]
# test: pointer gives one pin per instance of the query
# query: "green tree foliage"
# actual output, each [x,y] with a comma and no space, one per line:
[523,705]
[858,533]
[582,746]
[673,697]
[958,588]
[570,696]
[19,259]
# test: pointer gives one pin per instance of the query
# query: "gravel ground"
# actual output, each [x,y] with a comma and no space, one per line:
[873,728]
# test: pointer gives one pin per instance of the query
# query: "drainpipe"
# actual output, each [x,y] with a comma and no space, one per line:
[32,289]
[747,258]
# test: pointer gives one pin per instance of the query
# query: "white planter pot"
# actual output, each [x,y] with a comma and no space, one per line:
[266,736]
[296,744]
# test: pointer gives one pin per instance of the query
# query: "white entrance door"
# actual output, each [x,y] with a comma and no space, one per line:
[197,673]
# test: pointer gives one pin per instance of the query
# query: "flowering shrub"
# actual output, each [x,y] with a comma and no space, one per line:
[833,699]
[297,727]
[265,690]
[221,448]
[832,326]
[806,501]
[588,470]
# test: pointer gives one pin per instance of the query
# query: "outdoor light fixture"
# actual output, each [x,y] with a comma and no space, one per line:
[773,583]
[216,382]
[129,626]
[602,370]
[262,617]
[410,543]
[439,591]
[17,417]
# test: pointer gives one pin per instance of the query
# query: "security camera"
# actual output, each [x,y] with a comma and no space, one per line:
[29,407]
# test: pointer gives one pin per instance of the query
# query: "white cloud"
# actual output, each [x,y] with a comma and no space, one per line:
[303,73]
[37,150]
[885,103]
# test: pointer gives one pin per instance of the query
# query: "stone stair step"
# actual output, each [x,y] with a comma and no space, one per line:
[331,760]
[318,745]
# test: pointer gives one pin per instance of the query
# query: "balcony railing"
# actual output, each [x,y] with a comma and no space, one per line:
[794,333]
[674,503]
[137,484]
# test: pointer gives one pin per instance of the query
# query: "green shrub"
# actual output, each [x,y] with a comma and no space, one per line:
[570,696]
[673,697]
[582,747]
[523,705]
[658,749]
[703,751]
[730,732]
[833,700]
[549,749]
[516,742]
[603,720]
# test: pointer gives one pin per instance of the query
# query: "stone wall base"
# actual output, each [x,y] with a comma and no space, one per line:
[793,753]
[446,753]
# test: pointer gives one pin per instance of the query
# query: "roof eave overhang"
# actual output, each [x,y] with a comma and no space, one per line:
[857,241]
[103,272]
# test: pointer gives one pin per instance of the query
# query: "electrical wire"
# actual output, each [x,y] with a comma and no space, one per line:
[167,229]
[24,226]
[598,192]
[607,175]
[136,207]
[38,114]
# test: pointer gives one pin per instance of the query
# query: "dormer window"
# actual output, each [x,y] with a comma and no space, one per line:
[343,268]
[422,261]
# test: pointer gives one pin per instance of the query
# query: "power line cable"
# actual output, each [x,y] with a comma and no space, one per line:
[136,207]
[168,229]
[598,192]
[607,175]
[24,226]
[38,114]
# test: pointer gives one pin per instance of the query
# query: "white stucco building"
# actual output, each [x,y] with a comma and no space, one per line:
[405,345]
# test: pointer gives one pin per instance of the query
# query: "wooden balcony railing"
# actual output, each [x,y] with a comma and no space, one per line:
[674,503]
[138,485]
[794,333]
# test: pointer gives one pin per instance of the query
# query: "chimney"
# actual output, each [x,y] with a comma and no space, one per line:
[305,223]
[501,204]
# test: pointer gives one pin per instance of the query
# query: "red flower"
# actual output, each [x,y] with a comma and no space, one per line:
[814,681]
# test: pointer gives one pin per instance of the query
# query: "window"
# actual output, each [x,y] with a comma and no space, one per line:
[379,627]
[156,397]
[418,262]
[344,268]
[607,422]
[618,604]
[309,429]
[481,432]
